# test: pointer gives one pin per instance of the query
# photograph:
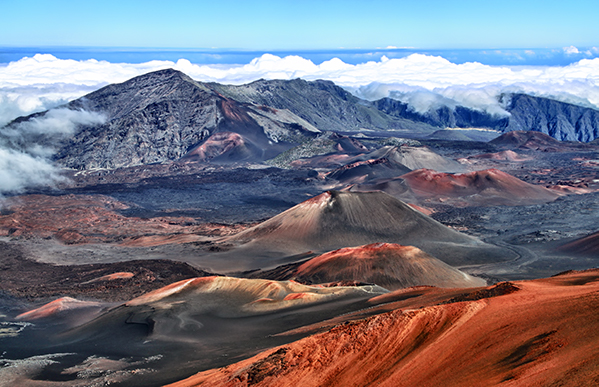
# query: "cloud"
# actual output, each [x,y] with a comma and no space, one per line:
[571,50]
[24,100]
[26,148]
[43,81]
[19,170]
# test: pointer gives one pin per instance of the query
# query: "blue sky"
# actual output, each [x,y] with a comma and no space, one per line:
[300,24]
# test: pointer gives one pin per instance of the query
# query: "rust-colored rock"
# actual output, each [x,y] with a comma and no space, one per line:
[490,187]
[389,265]
[76,219]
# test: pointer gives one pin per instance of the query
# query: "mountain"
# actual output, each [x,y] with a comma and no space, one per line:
[442,117]
[327,150]
[335,220]
[388,265]
[560,120]
[367,170]
[389,162]
[416,157]
[527,140]
[321,103]
[164,116]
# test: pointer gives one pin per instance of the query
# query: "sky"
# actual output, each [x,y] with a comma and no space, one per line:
[300,24]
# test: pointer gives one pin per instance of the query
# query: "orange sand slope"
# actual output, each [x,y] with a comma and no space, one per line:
[63,304]
[541,332]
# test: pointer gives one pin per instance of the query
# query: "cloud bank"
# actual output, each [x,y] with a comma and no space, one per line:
[26,148]
[43,81]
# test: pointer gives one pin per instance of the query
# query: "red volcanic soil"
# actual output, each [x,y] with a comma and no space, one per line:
[389,265]
[529,140]
[216,145]
[588,245]
[424,210]
[490,187]
[541,332]
[74,219]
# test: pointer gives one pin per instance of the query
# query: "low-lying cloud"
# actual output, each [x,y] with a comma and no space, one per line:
[26,148]
[423,81]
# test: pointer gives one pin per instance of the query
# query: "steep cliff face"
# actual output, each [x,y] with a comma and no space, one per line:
[563,121]
[150,119]
[560,120]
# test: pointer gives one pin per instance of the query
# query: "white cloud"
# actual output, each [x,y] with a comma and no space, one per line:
[19,170]
[26,148]
[43,81]
[571,50]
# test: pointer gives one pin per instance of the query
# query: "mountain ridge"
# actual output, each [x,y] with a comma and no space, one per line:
[162,116]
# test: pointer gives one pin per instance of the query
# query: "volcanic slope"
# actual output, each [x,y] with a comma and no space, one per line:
[490,187]
[527,140]
[541,332]
[163,115]
[388,265]
[321,103]
[588,245]
[373,170]
[335,219]
[416,157]
[198,323]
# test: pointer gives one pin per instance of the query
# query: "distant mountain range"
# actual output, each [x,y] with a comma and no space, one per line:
[560,120]
[165,115]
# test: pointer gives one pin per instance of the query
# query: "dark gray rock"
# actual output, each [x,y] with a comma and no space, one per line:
[560,120]
[322,103]
[162,116]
